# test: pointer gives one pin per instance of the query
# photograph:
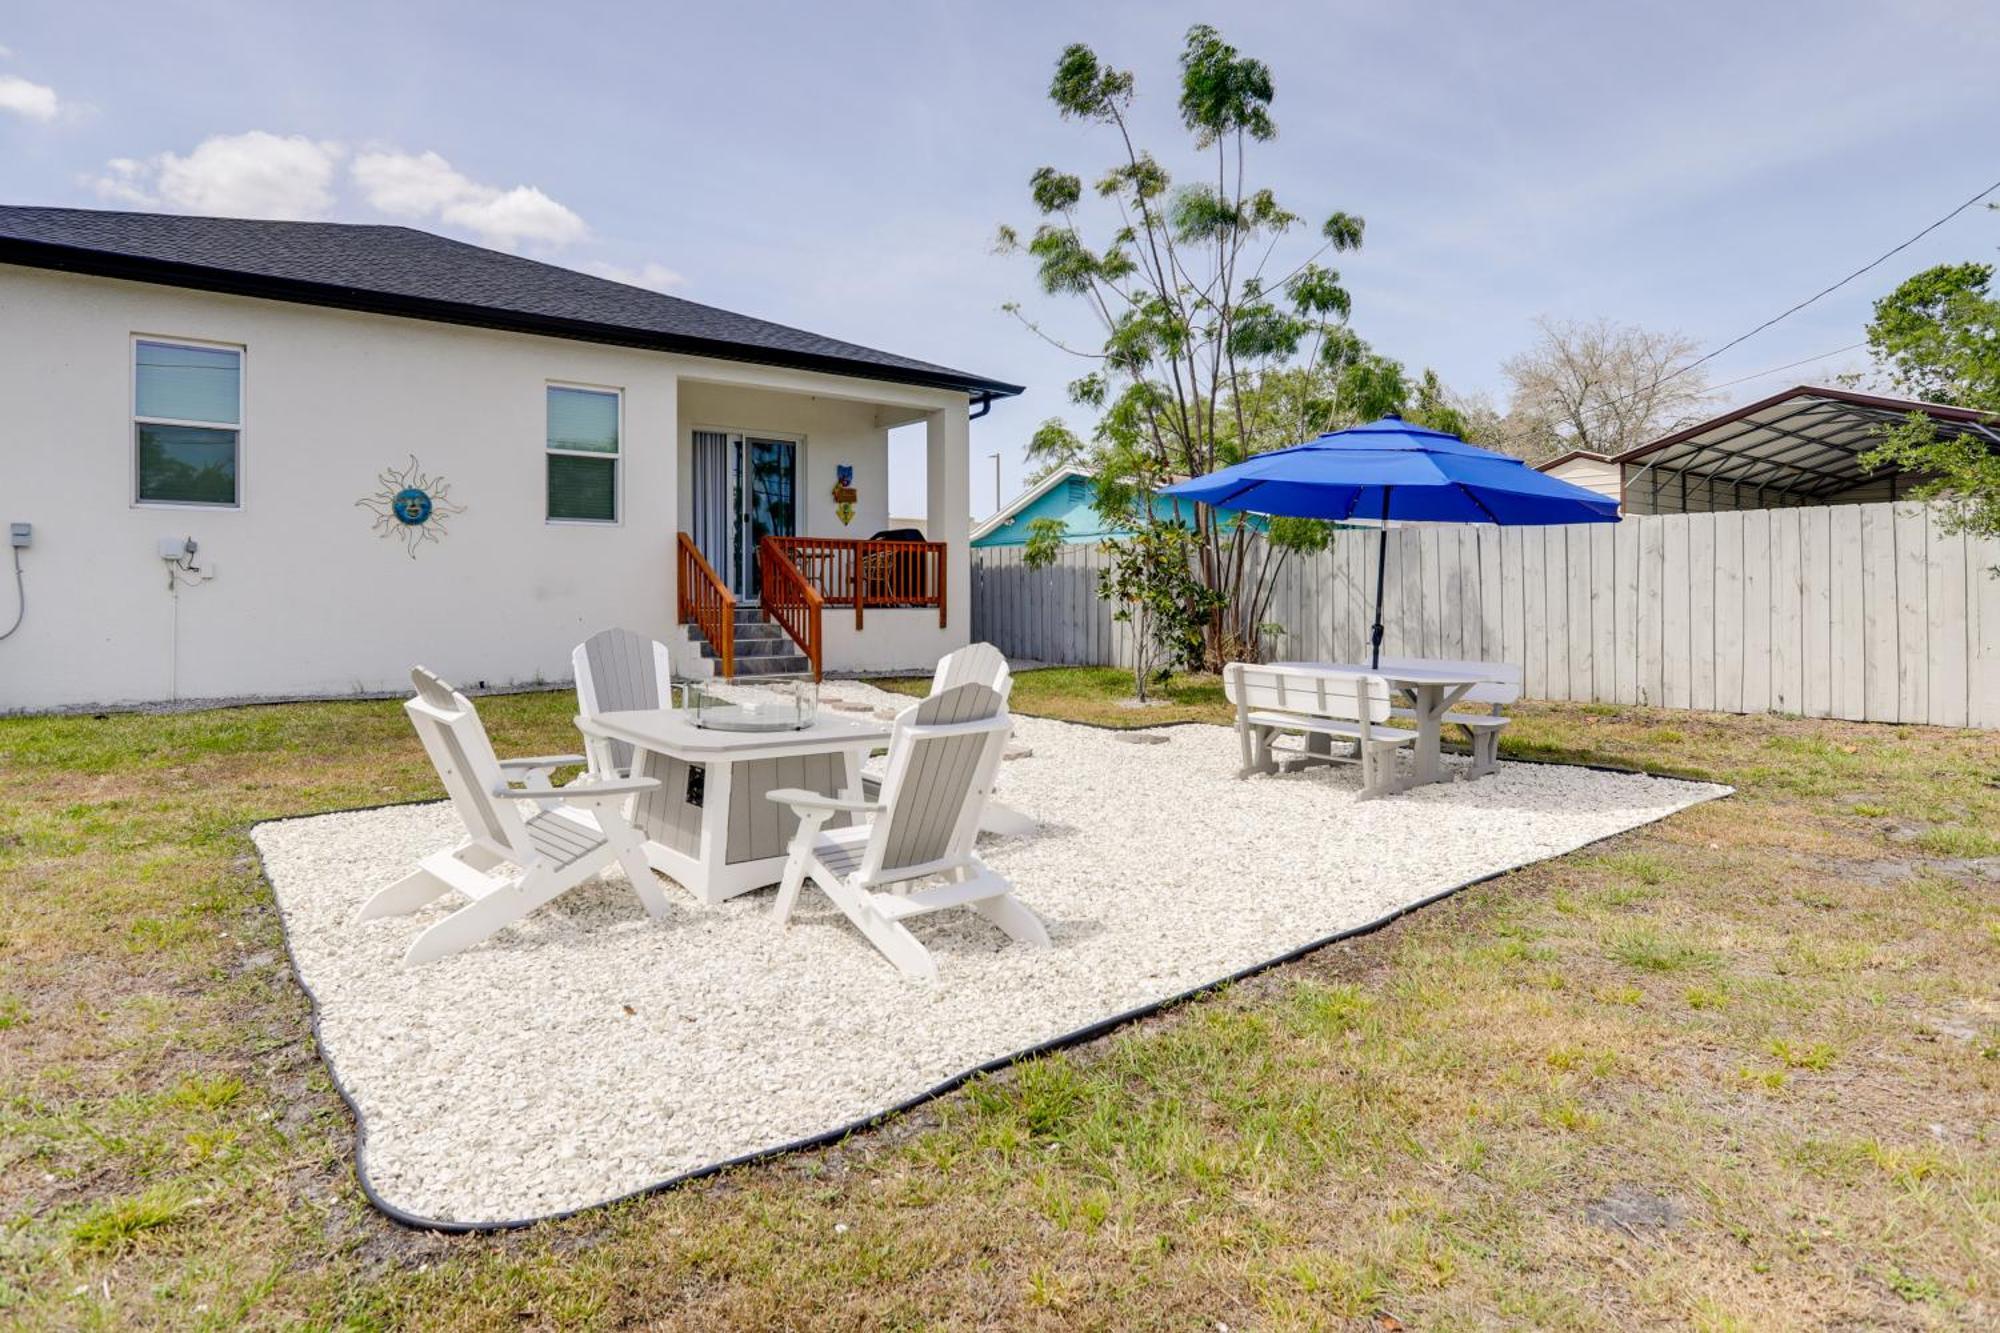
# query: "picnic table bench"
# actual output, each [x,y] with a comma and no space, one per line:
[1290,702]
[1314,703]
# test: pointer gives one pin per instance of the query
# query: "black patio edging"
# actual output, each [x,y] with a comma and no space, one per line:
[1089,1032]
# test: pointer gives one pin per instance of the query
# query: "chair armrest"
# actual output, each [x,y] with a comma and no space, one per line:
[611,789]
[542,761]
[802,800]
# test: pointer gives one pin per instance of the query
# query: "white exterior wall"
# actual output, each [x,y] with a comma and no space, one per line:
[306,598]
[894,639]
[1593,474]
[832,431]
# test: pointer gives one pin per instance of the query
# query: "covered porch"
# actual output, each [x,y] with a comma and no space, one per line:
[786,560]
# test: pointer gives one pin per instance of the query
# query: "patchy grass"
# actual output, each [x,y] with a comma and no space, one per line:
[1735,1070]
[113,1226]
[1651,951]
[1959,840]
[1103,696]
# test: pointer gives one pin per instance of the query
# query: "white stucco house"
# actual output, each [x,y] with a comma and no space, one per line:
[277,459]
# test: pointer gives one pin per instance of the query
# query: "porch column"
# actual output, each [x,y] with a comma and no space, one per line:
[948,510]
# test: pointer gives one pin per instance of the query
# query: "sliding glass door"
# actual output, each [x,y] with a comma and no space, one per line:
[745,489]
[769,477]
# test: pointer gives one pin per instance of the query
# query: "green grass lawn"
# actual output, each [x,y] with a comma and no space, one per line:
[1740,1069]
[1103,695]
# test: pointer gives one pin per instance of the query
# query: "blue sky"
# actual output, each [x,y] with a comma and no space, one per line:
[1696,167]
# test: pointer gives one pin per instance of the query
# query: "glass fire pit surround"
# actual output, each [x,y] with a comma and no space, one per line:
[779,705]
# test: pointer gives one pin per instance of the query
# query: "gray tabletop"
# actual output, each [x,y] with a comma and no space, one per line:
[1399,675]
[671,730]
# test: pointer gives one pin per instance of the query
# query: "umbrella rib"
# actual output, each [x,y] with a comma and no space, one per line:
[1482,506]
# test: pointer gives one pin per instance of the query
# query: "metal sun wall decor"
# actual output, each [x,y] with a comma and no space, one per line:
[410,505]
[844,494]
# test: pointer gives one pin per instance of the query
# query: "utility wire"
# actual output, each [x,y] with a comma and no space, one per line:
[1789,365]
[1876,262]
[1827,291]
[20,595]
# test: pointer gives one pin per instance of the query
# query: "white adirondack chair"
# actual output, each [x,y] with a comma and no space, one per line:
[975,664]
[942,756]
[1341,705]
[552,851]
[1484,728]
[617,670]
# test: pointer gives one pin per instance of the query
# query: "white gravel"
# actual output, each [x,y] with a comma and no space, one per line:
[588,1052]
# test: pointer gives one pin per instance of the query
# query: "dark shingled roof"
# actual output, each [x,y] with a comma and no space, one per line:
[402,271]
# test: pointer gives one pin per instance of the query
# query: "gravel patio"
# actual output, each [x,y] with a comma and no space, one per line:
[588,1053]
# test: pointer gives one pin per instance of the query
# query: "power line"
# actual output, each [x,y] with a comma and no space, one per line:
[1880,259]
[1789,365]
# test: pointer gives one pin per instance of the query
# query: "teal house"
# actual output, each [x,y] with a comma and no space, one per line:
[1066,495]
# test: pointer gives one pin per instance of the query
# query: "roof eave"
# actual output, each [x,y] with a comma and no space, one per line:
[1573,454]
[1000,516]
[170,273]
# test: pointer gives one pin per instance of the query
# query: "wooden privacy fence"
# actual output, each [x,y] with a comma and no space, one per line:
[1870,612]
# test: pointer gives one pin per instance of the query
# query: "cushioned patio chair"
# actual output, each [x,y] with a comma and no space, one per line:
[576,832]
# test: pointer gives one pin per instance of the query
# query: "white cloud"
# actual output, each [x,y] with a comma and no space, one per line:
[650,274]
[255,174]
[31,101]
[426,186]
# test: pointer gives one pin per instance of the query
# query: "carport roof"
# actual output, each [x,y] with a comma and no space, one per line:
[1806,441]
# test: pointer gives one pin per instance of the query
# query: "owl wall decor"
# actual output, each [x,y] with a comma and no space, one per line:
[844,494]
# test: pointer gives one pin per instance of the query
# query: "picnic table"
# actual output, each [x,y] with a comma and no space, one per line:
[1432,689]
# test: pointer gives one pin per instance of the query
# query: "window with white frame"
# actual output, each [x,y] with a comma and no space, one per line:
[187,419]
[583,454]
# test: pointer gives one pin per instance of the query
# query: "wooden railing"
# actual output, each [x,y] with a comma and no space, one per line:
[861,574]
[706,600]
[790,599]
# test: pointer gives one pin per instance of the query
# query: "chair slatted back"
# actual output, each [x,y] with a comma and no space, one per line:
[616,671]
[456,741]
[974,664]
[943,755]
[1352,696]
[1503,687]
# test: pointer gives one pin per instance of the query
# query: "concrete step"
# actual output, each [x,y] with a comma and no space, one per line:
[748,618]
[749,648]
[763,649]
[773,668]
[747,633]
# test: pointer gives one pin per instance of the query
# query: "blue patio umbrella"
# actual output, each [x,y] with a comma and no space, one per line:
[1393,471]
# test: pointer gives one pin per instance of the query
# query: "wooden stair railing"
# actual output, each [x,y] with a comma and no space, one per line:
[848,572]
[790,599]
[706,600]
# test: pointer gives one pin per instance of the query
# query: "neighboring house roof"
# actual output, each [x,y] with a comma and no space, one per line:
[1012,508]
[1548,463]
[402,271]
[1806,441]
[1069,495]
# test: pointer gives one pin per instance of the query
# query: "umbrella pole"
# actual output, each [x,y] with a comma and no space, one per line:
[1381,570]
